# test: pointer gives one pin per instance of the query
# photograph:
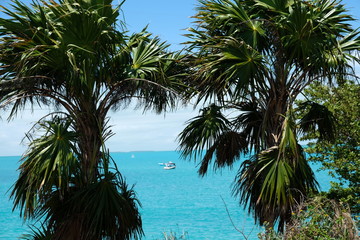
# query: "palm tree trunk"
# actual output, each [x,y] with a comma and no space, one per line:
[276,110]
[89,128]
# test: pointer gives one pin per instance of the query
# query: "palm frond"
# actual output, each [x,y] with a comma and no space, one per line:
[250,121]
[106,208]
[229,70]
[49,162]
[226,150]
[271,186]
[275,180]
[203,131]
[317,118]
[275,5]
[37,233]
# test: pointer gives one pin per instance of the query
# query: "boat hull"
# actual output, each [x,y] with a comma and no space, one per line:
[169,168]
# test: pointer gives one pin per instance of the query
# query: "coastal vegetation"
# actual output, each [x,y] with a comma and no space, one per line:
[340,157]
[318,218]
[76,57]
[251,60]
[248,63]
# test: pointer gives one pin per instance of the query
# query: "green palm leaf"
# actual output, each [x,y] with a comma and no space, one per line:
[50,162]
[202,131]
[275,5]
[37,233]
[211,131]
[250,120]
[317,118]
[107,208]
[272,186]
[227,149]
[276,179]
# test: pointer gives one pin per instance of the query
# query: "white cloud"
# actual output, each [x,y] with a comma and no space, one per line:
[12,132]
[133,130]
[136,131]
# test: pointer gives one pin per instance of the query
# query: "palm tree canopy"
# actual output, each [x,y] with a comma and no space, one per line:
[75,50]
[250,45]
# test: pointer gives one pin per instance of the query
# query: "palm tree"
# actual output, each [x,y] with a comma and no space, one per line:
[74,55]
[252,60]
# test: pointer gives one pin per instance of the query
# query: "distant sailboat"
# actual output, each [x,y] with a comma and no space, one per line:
[132,156]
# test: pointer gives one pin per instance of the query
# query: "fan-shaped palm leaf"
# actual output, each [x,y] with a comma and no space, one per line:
[37,233]
[227,149]
[250,121]
[202,131]
[49,162]
[275,5]
[153,84]
[235,67]
[212,132]
[317,118]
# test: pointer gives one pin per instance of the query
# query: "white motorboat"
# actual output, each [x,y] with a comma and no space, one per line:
[169,165]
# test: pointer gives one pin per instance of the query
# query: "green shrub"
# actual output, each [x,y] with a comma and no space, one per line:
[319,218]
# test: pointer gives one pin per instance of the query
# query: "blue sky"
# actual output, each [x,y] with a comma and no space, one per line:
[134,131]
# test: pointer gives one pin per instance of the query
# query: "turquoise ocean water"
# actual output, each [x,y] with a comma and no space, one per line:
[172,200]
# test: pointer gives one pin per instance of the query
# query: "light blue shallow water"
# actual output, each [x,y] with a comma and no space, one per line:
[172,200]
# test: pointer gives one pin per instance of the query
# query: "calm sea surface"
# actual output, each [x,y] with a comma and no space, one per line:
[172,200]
